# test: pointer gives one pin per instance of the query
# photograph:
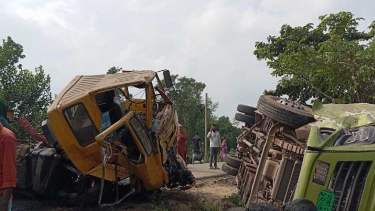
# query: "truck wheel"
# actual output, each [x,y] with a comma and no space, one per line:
[232,161]
[229,170]
[249,110]
[286,112]
[245,118]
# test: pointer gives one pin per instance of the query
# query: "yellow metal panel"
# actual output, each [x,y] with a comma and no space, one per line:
[137,105]
[82,85]
[109,172]
[82,158]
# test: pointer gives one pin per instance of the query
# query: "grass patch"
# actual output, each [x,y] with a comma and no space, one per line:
[159,206]
[234,199]
[214,207]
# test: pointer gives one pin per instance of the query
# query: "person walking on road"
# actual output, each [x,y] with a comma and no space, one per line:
[8,167]
[215,143]
[181,143]
[196,145]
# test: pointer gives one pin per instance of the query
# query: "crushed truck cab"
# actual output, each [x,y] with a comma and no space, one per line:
[337,171]
[100,135]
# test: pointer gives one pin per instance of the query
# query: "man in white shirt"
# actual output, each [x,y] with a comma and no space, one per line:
[215,143]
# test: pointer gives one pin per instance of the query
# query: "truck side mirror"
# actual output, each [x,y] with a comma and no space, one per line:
[167,79]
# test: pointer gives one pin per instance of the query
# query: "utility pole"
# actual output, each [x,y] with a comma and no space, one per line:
[205,131]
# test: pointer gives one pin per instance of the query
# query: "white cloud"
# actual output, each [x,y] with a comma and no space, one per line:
[211,41]
[49,13]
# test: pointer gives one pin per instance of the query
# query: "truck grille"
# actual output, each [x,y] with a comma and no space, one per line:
[285,185]
[347,184]
[293,181]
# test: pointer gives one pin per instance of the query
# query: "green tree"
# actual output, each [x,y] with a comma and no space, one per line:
[114,70]
[188,101]
[187,97]
[332,62]
[29,93]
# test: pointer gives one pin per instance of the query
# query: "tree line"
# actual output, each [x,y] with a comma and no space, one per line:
[29,94]
[332,62]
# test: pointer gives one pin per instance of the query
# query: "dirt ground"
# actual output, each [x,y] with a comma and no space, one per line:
[211,195]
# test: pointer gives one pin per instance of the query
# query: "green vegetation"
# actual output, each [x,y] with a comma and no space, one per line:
[189,102]
[235,199]
[27,92]
[332,62]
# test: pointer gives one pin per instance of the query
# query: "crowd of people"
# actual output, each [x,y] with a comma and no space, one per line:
[217,145]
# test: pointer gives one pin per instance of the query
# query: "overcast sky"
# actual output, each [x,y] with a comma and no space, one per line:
[211,41]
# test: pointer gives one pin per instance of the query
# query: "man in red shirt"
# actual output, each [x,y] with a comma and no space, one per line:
[181,143]
[8,167]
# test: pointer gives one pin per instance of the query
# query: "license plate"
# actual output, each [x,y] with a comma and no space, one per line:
[325,201]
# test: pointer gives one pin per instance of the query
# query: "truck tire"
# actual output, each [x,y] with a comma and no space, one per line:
[229,170]
[232,161]
[245,118]
[249,110]
[285,112]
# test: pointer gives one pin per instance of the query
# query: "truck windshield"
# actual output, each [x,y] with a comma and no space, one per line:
[139,129]
[81,124]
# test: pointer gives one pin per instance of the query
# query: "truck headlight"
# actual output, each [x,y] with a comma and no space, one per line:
[359,136]
[321,172]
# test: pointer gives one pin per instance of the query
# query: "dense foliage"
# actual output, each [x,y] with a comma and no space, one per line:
[332,62]
[27,92]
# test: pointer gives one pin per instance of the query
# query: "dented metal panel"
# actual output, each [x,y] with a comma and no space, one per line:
[82,85]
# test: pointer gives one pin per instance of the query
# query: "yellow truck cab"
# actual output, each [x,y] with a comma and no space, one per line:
[99,135]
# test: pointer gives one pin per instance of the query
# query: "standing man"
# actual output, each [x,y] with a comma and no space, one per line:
[196,145]
[8,167]
[181,143]
[215,143]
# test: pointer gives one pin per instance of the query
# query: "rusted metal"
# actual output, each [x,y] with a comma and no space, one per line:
[275,154]
[271,153]
[270,169]
[269,141]
[294,139]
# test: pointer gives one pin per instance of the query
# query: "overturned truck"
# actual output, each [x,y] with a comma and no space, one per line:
[99,140]
[284,153]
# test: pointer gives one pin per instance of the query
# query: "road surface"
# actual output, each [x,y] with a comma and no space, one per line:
[203,171]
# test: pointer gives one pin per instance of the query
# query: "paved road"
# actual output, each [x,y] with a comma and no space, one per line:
[203,171]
